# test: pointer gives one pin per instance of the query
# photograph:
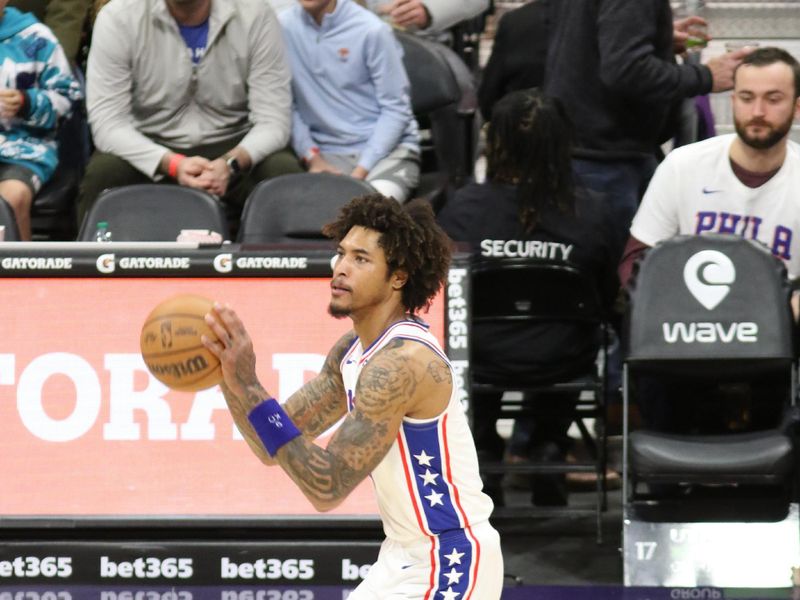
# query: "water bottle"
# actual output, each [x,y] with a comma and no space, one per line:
[102,233]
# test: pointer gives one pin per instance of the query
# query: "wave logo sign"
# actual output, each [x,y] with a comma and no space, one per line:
[709,275]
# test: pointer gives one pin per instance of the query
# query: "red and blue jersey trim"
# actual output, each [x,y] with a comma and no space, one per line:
[455,552]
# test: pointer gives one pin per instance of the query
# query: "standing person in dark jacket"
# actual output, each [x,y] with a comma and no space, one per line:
[530,196]
[612,64]
[518,54]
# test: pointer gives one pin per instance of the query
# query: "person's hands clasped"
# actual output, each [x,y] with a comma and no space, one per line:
[190,172]
[234,349]
[11,102]
[217,177]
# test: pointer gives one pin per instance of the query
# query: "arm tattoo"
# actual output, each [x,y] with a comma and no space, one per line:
[440,371]
[322,401]
[385,388]
[314,408]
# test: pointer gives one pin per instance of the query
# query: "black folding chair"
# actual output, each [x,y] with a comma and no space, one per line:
[528,294]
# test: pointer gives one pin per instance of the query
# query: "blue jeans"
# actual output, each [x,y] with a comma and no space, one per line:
[622,182]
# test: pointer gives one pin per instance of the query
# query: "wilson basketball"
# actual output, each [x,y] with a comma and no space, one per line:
[171,345]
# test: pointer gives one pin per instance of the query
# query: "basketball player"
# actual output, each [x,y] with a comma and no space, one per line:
[403,424]
[745,183]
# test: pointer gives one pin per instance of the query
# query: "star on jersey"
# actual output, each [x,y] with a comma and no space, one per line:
[454,557]
[450,594]
[434,498]
[423,459]
[453,577]
[428,478]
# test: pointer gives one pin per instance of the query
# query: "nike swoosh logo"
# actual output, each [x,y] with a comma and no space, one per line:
[708,191]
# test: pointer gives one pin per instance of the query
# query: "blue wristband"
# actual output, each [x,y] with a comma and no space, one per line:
[273,426]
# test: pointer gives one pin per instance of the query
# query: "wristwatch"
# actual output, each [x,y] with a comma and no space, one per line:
[234,168]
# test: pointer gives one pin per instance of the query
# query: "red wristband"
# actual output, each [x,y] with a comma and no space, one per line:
[312,152]
[172,169]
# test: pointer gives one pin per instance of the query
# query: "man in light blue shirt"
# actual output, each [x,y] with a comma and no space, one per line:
[352,111]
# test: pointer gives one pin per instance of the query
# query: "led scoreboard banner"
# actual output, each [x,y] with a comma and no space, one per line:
[92,442]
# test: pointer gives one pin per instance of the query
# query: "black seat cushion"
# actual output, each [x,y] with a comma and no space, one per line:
[759,457]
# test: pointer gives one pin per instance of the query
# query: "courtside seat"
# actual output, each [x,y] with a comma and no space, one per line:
[291,209]
[153,212]
[445,121]
[710,361]
[710,309]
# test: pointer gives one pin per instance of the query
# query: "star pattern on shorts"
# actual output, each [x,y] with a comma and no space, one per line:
[454,557]
[428,478]
[453,577]
[449,594]
[423,459]
[434,498]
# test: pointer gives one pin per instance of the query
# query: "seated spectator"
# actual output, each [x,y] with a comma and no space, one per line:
[37,91]
[352,111]
[530,195]
[65,18]
[743,183]
[214,116]
[518,54]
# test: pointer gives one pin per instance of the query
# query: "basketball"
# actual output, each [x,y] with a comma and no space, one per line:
[171,345]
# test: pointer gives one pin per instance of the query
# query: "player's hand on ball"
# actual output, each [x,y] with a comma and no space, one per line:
[234,349]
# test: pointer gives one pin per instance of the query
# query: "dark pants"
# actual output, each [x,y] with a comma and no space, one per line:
[547,424]
[623,183]
[106,171]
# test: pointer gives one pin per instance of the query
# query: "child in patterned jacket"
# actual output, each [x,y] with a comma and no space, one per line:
[37,90]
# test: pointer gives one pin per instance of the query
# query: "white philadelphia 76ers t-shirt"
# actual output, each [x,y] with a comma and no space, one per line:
[695,191]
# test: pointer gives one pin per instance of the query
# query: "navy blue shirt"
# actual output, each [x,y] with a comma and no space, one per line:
[486,216]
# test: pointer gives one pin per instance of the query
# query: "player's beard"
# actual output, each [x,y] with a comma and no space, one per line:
[338,312]
[774,134]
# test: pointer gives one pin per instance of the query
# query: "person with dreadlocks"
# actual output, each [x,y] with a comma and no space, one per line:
[403,426]
[530,207]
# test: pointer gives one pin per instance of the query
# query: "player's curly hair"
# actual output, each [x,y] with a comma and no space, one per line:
[410,238]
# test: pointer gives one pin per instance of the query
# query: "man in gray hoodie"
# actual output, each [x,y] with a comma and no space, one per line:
[190,91]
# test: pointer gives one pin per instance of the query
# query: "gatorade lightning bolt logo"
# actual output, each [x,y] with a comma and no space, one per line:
[709,275]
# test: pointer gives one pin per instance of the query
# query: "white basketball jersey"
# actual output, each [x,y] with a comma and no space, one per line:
[428,484]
